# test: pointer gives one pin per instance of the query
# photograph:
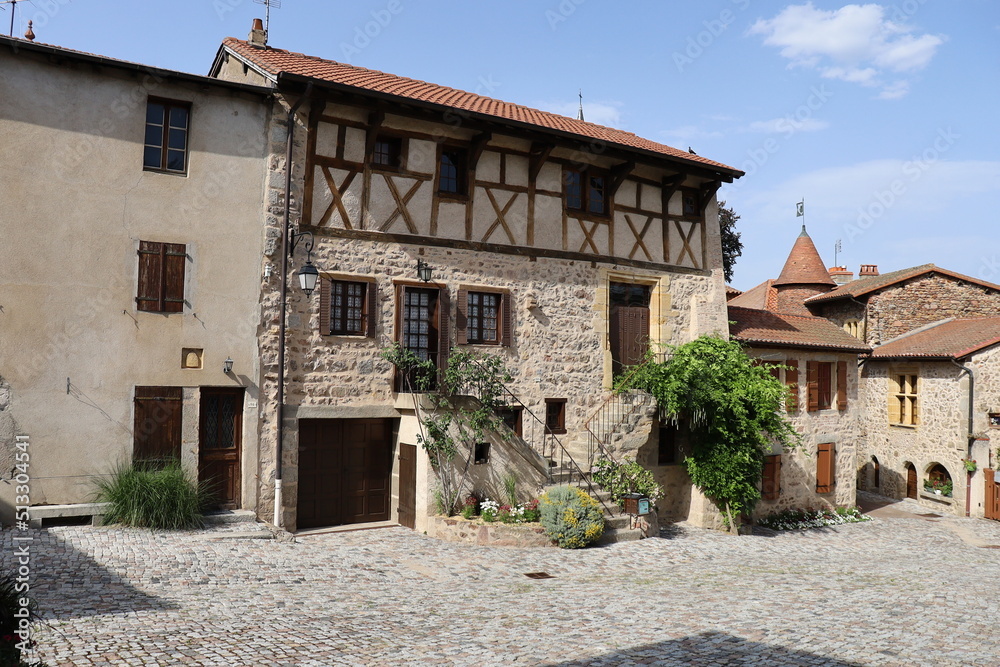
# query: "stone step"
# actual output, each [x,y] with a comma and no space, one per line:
[616,535]
[229,516]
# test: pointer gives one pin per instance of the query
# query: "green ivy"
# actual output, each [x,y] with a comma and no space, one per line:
[735,410]
[627,477]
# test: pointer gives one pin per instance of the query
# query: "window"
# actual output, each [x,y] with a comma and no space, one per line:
[628,325]
[482,453]
[690,203]
[166,143]
[822,388]
[994,418]
[668,451]
[423,328]
[157,424]
[792,382]
[511,417]
[484,317]
[853,327]
[903,408]
[452,171]
[555,415]
[348,307]
[825,468]
[825,379]
[388,152]
[586,190]
[161,277]
[770,484]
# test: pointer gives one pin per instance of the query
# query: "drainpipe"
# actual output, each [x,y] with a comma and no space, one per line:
[971,437]
[286,222]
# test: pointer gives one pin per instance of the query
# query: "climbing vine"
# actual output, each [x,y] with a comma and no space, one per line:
[735,412]
[454,423]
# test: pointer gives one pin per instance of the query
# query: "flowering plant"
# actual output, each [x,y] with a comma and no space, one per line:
[970,465]
[470,507]
[489,510]
[945,487]
[810,518]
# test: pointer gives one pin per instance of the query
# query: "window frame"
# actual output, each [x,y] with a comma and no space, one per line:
[505,322]
[396,153]
[586,199]
[898,397]
[369,305]
[555,415]
[164,146]
[166,275]
[699,215]
[461,166]
[440,324]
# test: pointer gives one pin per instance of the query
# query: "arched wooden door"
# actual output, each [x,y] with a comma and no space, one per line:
[911,481]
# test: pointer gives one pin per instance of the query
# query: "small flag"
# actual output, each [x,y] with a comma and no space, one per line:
[800,209]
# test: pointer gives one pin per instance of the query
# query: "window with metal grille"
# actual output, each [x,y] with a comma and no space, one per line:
[452,172]
[161,277]
[166,142]
[586,190]
[387,152]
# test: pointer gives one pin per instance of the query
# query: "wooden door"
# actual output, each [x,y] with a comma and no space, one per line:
[220,443]
[344,471]
[628,326]
[911,481]
[156,436]
[407,485]
[991,509]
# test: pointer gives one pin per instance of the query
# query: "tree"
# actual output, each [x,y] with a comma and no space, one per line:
[732,247]
[734,409]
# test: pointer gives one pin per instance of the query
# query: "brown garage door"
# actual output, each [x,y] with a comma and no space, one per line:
[344,471]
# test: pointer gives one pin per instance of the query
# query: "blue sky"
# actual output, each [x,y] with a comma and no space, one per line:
[882,117]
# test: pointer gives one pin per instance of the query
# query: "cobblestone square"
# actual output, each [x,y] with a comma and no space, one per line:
[903,589]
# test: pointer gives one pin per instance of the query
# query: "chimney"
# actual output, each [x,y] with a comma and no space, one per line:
[841,275]
[868,270]
[257,35]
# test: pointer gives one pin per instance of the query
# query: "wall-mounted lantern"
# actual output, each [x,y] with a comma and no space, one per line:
[424,271]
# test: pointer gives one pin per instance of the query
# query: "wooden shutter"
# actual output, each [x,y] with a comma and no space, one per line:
[894,412]
[506,320]
[841,385]
[157,424]
[175,256]
[770,487]
[812,385]
[774,371]
[148,294]
[371,314]
[462,318]
[325,289]
[444,328]
[792,382]
[825,468]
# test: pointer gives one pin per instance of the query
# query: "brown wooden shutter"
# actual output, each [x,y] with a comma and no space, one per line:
[506,320]
[371,321]
[792,381]
[444,328]
[894,413]
[812,385]
[148,294]
[400,301]
[157,424]
[642,334]
[325,296]
[770,487]
[462,317]
[841,385]
[174,259]
[825,468]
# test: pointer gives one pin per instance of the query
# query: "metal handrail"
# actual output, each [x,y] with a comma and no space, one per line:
[596,443]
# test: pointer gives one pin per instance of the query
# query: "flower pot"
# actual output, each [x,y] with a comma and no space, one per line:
[937,492]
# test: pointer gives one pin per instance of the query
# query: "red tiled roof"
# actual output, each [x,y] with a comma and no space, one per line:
[761,297]
[761,327]
[278,61]
[804,266]
[954,338]
[870,284]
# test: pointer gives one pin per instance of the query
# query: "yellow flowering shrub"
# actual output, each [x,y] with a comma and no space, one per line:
[571,517]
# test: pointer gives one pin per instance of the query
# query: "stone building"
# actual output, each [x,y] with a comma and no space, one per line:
[130,267]
[565,247]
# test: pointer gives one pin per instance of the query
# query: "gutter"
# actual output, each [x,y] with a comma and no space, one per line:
[971,437]
[286,222]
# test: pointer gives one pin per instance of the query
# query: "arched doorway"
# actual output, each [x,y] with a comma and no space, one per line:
[911,481]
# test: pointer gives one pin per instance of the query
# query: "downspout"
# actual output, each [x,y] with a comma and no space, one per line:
[286,222]
[971,436]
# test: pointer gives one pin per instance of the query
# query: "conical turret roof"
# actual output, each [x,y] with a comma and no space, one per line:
[804,266]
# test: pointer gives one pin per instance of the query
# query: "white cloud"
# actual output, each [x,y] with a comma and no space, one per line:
[856,43]
[788,125]
[608,114]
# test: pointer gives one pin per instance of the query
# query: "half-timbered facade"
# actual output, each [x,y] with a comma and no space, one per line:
[567,248]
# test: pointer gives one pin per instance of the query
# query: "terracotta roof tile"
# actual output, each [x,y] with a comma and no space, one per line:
[863,286]
[954,338]
[761,297]
[804,266]
[761,327]
[279,61]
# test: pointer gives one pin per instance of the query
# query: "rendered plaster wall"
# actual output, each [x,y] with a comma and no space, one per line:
[77,204]
[940,437]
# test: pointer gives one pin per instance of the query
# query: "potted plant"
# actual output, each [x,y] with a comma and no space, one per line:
[970,465]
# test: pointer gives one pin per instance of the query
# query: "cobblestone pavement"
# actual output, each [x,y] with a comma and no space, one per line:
[900,590]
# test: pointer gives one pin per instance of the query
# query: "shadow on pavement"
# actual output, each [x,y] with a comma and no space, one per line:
[712,648]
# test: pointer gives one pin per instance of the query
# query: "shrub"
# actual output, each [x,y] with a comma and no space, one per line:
[146,496]
[798,519]
[628,477]
[571,517]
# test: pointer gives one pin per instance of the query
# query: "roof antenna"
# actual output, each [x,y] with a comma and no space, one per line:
[13,8]
[579,116]
[267,14]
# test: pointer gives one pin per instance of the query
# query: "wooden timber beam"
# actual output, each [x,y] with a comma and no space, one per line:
[539,154]
[375,120]
[708,191]
[619,173]
[476,148]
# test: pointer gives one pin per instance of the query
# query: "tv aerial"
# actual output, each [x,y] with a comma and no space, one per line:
[267,12]
[13,8]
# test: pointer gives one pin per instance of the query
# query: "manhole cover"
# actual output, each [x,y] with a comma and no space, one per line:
[538,575]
